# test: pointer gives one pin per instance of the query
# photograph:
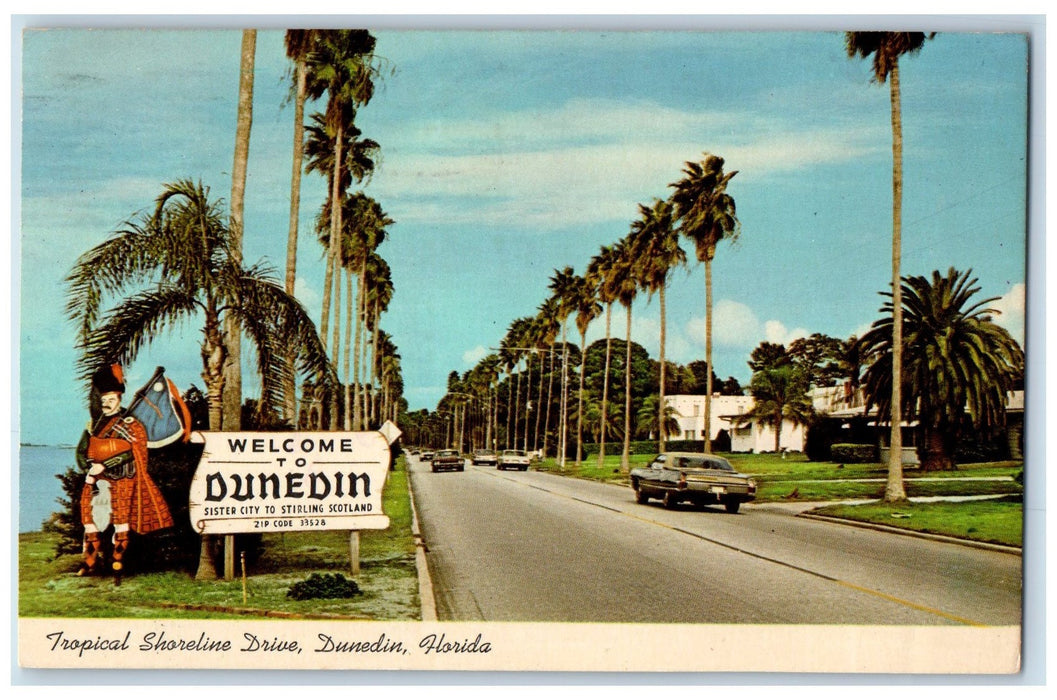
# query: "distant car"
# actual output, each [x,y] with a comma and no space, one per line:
[426,456]
[513,459]
[447,459]
[702,479]
[485,458]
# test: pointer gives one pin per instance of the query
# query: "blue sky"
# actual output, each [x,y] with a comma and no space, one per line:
[506,155]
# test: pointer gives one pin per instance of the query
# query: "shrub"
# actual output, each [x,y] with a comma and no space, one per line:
[847,452]
[323,586]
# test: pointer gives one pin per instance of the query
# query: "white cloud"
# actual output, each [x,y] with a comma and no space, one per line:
[776,332]
[583,161]
[472,357]
[308,296]
[1011,308]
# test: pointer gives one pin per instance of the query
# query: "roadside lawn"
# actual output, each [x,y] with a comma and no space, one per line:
[998,521]
[795,479]
[388,580]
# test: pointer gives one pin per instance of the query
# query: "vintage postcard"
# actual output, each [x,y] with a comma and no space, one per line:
[682,347]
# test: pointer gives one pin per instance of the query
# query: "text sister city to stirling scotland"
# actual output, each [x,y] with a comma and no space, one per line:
[159,642]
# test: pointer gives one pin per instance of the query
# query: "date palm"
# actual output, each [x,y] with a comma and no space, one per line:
[177,265]
[958,364]
[887,48]
[656,246]
[706,214]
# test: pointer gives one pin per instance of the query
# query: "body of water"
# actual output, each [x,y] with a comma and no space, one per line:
[39,490]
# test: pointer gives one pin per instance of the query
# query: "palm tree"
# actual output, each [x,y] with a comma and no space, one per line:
[588,309]
[175,264]
[706,215]
[656,246]
[233,367]
[887,48]
[341,64]
[959,364]
[563,285]
[626,286]
[370,231]
[604,268]
[655,415]
[298,43]
[780,394]
[549,320]
[379,294]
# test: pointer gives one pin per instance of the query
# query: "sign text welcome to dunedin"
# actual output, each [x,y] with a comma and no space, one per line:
[272,482]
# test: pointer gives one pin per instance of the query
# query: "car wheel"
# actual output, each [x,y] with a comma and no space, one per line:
[641,497]
[524,469]
[732,506]
[668,500]
[434,469]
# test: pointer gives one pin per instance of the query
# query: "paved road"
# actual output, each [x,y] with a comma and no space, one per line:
[531,546]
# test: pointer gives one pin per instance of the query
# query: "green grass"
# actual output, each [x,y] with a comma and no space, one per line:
[795,478]
[999,521]
[49,587]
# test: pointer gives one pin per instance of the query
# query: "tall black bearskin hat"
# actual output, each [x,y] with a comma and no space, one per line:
[109,379]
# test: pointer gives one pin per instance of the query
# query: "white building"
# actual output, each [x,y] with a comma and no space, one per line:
[838,402]
[745,436]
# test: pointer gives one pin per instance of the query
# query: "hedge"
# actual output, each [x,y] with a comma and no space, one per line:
[847,452]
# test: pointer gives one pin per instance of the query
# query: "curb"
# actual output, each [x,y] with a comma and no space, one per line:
[425,584]
[1007,549]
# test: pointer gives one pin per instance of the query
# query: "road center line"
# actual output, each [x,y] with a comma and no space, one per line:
[825,577]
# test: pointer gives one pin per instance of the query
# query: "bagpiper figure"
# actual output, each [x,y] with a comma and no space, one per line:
[117,489]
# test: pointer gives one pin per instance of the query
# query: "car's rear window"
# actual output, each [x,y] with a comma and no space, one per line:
[702,463]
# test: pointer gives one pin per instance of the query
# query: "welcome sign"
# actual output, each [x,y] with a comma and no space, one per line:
[277,482]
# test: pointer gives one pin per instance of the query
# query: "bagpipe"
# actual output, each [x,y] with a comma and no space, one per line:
[158,406]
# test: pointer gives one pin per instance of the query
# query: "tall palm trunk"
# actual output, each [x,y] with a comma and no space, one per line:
[605,389]
[550,400]
[232,335]
[376,365]
[348,345]
[563,413]
[625,456]
[357,416]
[707,434]
[509,403]
[517,408]
[335,352]
[333,267]
[894,490]
[290,404]
[528,400]
[580,402]
[662,427]
[539,410]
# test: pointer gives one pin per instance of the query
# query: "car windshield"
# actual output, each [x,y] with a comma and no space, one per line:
[701,462]
[485,452]
[446,453]
[514,453]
